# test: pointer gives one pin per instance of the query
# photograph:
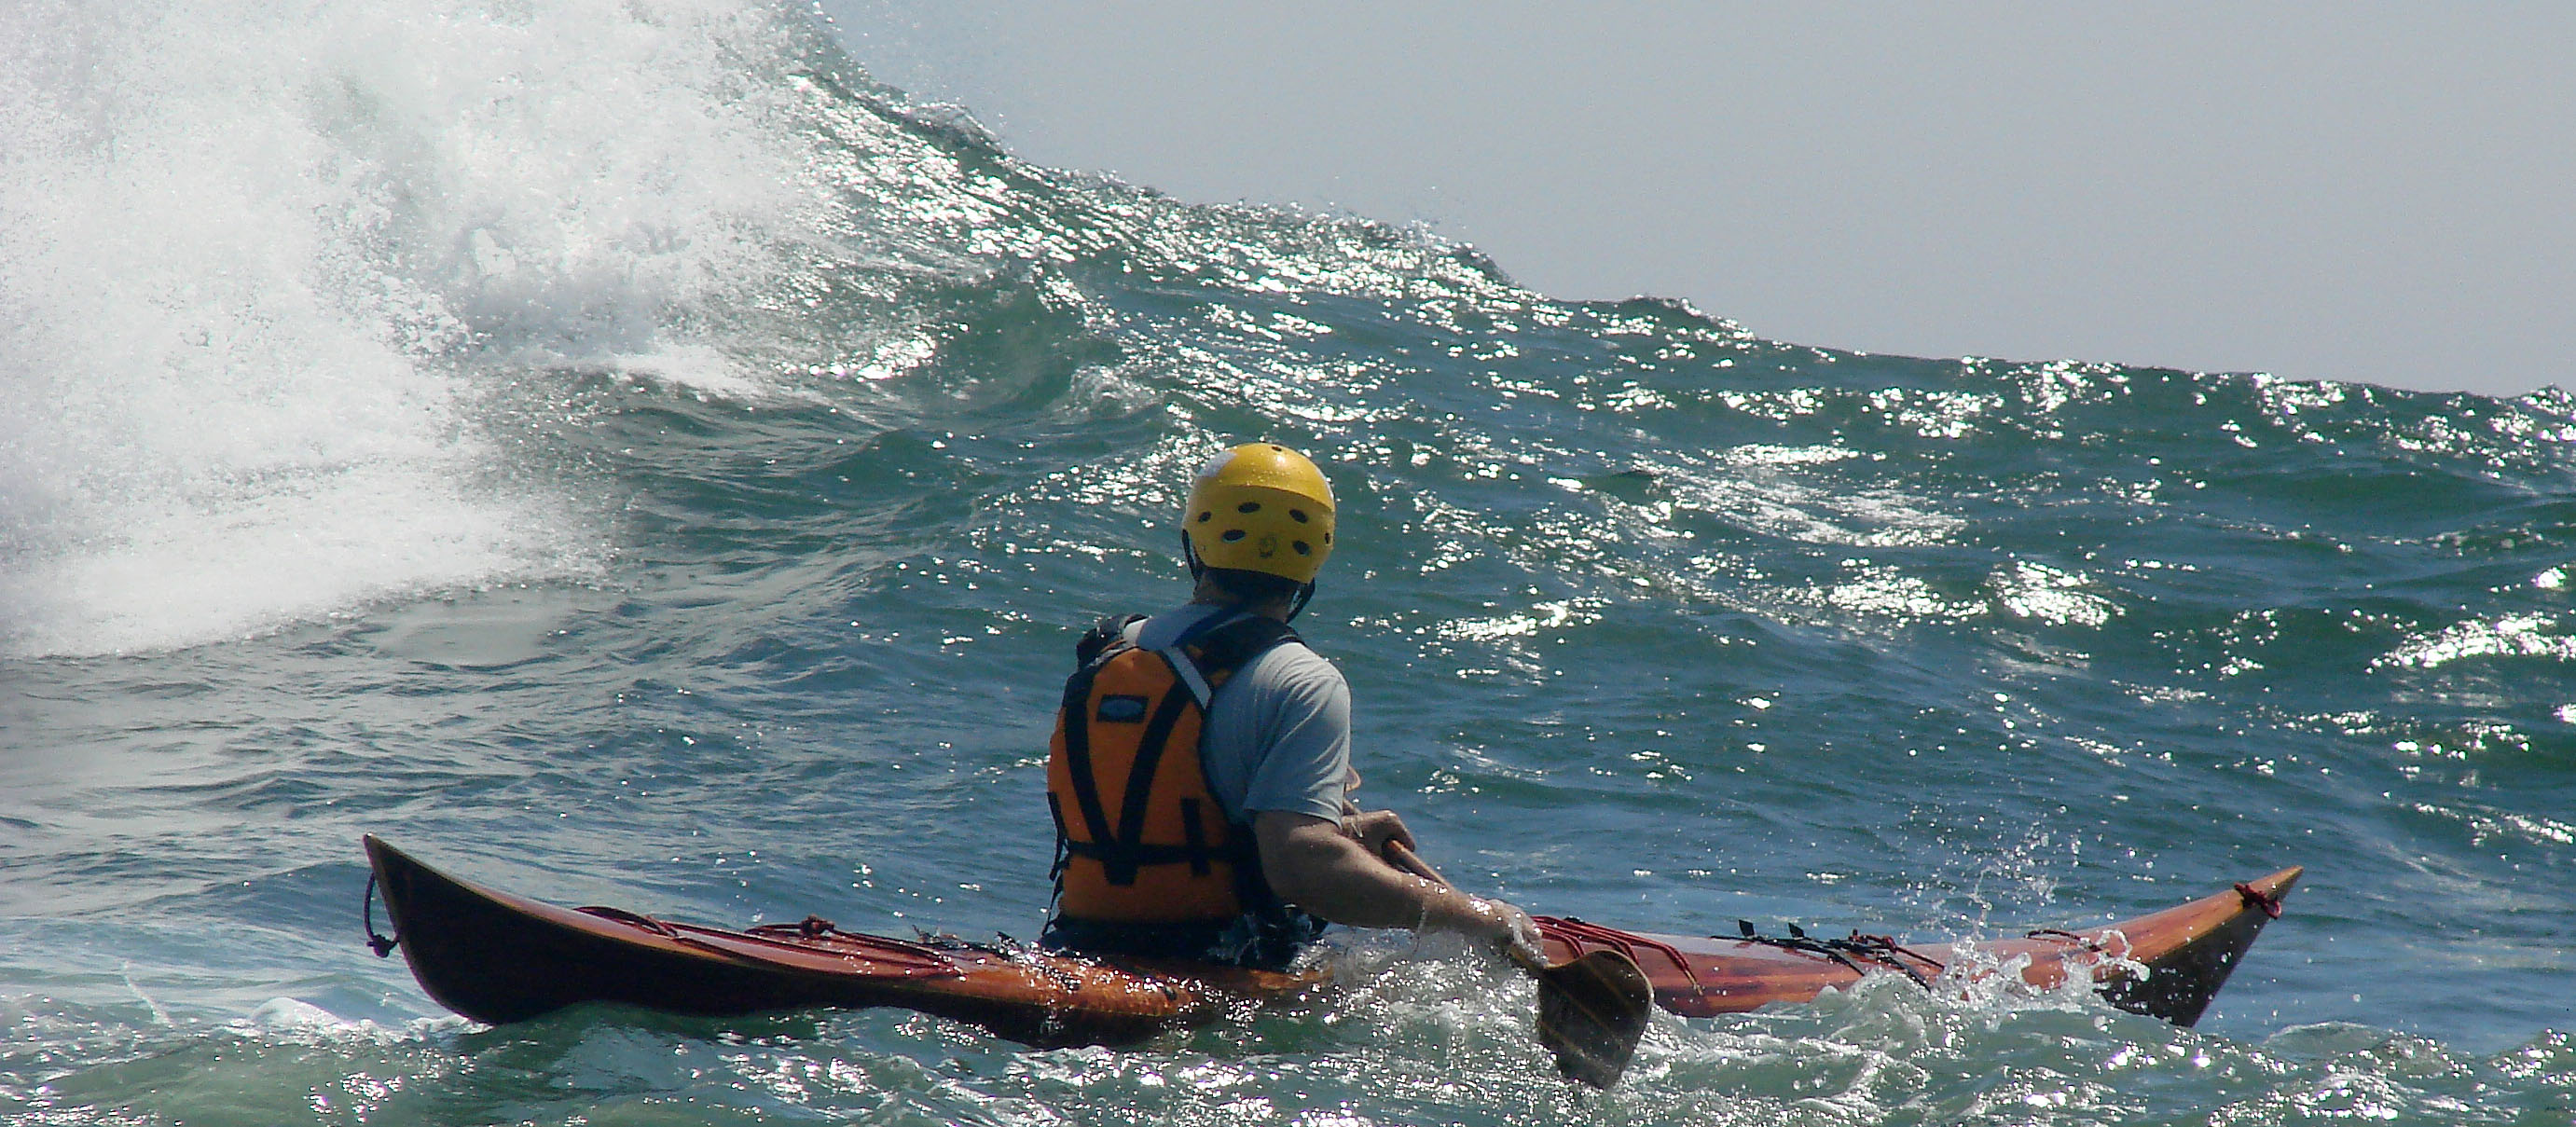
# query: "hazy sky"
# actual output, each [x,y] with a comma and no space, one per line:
[2365,191]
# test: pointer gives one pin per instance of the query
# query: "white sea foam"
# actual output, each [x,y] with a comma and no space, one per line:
[259,264]
[295,1021]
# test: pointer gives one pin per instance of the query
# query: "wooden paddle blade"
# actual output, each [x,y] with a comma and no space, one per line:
[1591,1011]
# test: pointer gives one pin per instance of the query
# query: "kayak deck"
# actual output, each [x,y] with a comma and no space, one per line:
[500,958]
[2166,964]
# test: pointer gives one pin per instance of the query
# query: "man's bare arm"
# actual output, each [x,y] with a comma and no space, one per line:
[1312,864]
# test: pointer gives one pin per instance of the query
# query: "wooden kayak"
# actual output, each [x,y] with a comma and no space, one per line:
[499,958]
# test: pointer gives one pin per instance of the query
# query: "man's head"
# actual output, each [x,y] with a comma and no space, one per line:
[1259,522]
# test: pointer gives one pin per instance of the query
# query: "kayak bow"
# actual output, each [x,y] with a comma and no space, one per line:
[2166,964]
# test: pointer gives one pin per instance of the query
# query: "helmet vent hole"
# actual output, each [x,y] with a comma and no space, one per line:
[1328,538]
[1232,535]
[1302,549]
[1298,514]
[1203,517]
[1248,507]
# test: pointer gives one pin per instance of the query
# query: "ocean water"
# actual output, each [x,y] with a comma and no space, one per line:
[622,453]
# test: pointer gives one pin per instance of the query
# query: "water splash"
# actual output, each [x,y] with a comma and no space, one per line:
[269,272]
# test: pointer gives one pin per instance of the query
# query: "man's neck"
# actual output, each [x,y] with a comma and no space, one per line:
[1213,595]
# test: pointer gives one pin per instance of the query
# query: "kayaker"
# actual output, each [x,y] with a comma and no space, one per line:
[1201,766]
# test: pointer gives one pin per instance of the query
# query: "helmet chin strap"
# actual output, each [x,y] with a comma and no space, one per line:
[1305,591]
[1190,553]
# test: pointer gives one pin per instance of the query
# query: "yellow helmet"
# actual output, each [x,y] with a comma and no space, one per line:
[1261,507]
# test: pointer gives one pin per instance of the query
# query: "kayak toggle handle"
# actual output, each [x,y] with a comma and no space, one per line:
[2257,898]
[382,945]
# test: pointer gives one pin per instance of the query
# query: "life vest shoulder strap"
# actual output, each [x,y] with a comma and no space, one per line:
[1203,661]
[1107,632]
[1223,651]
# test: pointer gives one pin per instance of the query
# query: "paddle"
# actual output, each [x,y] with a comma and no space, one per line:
[1591,1010]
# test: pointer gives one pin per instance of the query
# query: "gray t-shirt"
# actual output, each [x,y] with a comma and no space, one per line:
[1278,733]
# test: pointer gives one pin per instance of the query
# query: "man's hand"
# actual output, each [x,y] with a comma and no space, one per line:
[1374,828]
[1500,923]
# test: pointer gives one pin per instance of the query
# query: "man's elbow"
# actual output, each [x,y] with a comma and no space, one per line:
[1301,862]
[1295,889]
[1296,876]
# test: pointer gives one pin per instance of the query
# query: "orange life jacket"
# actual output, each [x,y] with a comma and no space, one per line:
[1140,839]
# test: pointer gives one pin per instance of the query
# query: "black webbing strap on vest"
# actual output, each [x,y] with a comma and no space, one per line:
[1215,655]
[1122,854]
[1104,640]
